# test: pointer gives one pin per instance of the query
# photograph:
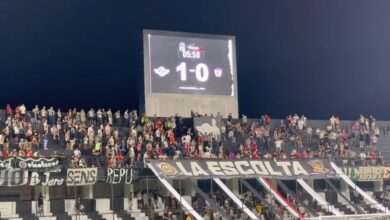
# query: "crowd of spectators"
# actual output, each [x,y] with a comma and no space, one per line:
[294,138]
[125,138]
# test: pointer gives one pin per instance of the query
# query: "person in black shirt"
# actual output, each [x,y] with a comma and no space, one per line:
[79,206]
[40,204]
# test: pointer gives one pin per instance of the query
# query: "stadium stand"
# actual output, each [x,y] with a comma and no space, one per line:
[106,139]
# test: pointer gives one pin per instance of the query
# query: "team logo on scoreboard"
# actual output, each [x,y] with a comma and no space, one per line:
[161,71]
[218,72]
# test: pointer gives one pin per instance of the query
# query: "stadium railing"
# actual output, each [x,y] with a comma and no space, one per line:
[379,216]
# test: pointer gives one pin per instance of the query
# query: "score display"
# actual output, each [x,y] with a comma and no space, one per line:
[182,63]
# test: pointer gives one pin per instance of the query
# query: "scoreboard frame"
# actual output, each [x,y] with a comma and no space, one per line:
[168,104]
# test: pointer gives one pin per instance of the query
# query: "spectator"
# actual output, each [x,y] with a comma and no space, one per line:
[374,158]
[171,138]
[8,110]
[363,157]
[279,145]
[79,206]
[40,211]
[45,140]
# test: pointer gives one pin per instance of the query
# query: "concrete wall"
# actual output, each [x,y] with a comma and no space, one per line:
[165,105]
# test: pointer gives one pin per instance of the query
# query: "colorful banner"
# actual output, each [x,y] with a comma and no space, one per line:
[281,200]
[81,176]
[40,164]
[367,173]
[206,169]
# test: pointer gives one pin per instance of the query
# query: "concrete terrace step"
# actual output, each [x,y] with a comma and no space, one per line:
[111,216]
[141,218]
[47,218]
[80,217]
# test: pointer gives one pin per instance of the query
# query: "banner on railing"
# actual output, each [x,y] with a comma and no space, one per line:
[72,177]
[81,176]
[205,169]
[121,175]
[13,177]
[367,173]
[47,178]
[40,164]
[208,126]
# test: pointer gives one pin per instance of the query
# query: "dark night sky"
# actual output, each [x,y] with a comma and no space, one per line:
[315,57]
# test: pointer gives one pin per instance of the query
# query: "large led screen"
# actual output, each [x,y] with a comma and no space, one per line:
[182,63]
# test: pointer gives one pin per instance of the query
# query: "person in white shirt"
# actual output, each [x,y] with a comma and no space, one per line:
[1,139]
[109,115]
[45,126]
[304,119]
[91,116]
[146,157]
[22,109]
[59,114]
[244,119]
[107,130]
[111,141]
[278,145]
[99,115]
[374,139]
[231,134]
[118,121]
[295,118]
[377,131]
[55,133]
[332,138]
[43,113]
[83,117]
[16,129]
[77,152]
[51,114]
[332,121]
[187,139]
[35,113]
[363,157]
[126,118]
[300,124]
[309,132]
[361,121]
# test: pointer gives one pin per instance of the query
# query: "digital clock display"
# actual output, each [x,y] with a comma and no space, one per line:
[184,64]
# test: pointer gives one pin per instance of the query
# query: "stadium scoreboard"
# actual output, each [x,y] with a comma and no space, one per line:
[186,71]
